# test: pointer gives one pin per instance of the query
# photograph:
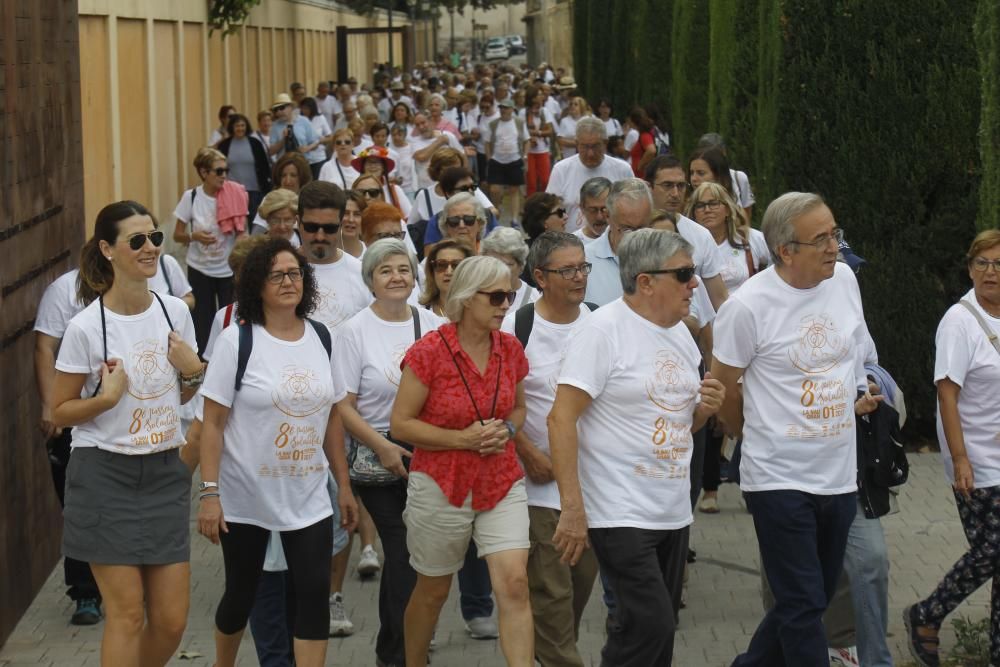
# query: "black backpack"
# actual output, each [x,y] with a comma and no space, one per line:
[524,321]
[246,346]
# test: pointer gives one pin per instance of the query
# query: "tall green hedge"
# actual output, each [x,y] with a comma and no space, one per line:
[891,114]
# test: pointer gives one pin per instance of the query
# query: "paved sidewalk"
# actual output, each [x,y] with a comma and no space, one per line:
[723,601]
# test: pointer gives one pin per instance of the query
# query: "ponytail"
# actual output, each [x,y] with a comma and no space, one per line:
[96,273]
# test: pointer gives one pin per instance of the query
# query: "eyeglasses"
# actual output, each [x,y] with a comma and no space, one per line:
[399,236]
[561,212]
[498,298]
[370,193]
[683,274]
[823,240]
[470,188]
[277,220]
[596,210]
[314,227]
[455,220]
[711,205]
[343,142]
[569,272]
[442,265]
[136,241]
[669,186]
[590,148]
[220,171]
[278,277]
[980,264]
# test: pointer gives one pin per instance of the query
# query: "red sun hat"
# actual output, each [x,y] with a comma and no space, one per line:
[379,152]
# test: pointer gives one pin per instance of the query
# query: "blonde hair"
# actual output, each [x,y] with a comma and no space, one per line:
[205,157]
[736,232]
[472,275]
[277,200]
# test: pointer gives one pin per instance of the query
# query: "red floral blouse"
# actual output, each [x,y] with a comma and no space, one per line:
[459,472]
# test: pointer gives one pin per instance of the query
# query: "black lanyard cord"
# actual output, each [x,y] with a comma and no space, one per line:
[496,391]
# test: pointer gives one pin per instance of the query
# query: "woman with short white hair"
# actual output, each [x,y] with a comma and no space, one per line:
[459,404]
[463,218]
[508,246]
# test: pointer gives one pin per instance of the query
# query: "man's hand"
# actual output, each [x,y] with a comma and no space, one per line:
[571,535]
[867,403]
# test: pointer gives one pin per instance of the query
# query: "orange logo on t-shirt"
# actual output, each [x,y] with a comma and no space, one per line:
[150,375]
[299,393]
[820,346]
[671,387]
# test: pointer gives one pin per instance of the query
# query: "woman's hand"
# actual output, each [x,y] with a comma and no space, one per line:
[210,519]
[181,356]
[571,535]
[495,438]
[114,380]
[206,238]
[348,508]
[965,480]
[390,455]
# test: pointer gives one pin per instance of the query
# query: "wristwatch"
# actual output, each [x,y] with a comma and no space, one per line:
[205,486]
[511,429]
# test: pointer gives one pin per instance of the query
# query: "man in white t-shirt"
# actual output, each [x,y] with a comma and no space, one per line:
[506,139]
[796,334]
[559,592]
[425,140]
[590,161]
[326,102]
[629,396]
[669,185]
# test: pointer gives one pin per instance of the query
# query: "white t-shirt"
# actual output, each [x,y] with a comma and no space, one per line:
[341,176]
[342,292]
[707,259]
[273,469]
[211,259]
[567,130]
[483,122]
[509,142]
[967,358]
[369,351]
[803,353]
[613,128]
[405,169]
[583,237]
[146,419]
[322,128]
[547,347]
[174,282]
[635,438]
[329,108]
[419,143]
[742,185]
[539,120]
[734,260]
[59,305]
[405,206]
[631,137]
[569,175]
[218,325]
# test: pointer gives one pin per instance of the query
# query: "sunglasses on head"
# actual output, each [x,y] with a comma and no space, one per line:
[314,227]
[683,274]
[456,220]
[442,265]
[136,241]
[370,193]
[498,298]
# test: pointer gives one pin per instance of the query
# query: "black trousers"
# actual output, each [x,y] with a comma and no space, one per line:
[645,571]
[210,294]
[307,551]
[385,504]
[77,574]
[712,477]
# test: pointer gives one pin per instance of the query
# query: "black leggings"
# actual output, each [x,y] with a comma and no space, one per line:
[712,475]
[307,550]
[210,294]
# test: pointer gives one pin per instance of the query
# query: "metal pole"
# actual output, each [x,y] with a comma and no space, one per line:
[451,49]
[390,33]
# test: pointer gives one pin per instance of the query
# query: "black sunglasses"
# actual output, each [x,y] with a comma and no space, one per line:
[559,212]
[221,171]
[683,274]
[456,220]
[136,241]
[498,298]
[371,193]
[314,227]
[470,188]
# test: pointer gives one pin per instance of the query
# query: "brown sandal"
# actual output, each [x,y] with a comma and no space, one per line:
[923,649]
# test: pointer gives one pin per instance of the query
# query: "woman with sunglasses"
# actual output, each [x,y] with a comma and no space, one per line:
[368,353]
[126,364]
[453,181]
[203,215]
[508,246]
[375,162]
[543,212]
[338,169]
[459,404]
[463,218]
[439,267]
[268,441]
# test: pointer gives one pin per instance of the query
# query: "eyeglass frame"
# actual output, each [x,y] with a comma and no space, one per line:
[837,235]
[583,269]
[676,273]
[294,276]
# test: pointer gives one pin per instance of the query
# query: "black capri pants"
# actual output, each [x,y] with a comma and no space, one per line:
[307,551]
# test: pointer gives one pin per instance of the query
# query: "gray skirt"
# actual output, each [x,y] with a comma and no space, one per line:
[127,510]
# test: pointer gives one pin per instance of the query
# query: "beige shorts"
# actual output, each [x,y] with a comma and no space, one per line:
[437,532]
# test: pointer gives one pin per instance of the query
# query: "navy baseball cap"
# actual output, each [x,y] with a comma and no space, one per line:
[850,258]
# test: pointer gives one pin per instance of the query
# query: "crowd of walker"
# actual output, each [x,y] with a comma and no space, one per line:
[375,334]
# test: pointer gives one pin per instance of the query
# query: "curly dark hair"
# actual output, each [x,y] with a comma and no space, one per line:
[253,277]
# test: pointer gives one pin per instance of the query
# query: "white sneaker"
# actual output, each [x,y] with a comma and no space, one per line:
[844,657]
[368,564]
[340,625]
[483,627]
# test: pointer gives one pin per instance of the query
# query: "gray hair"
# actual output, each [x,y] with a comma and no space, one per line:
[472,275]
[546,244]
[647,250]
[631,190]
[440,98]
[456,200]
[376,254]
[777,224]
[591,125]
[506,241]
[593,187]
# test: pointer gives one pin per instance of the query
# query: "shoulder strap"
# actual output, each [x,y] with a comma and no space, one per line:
[592,306]
[416,322]
[166,278]
[243,351]
[228,319]
[163,307]
[992,337]
[194,193]
[324,335]
[524,320]
[427,198]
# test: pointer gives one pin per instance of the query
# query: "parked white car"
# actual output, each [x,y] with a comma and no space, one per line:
[516,45]
[496,49]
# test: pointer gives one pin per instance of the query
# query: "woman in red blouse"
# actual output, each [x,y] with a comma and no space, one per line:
[460,401]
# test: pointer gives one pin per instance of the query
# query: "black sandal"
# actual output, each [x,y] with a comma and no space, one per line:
[917,643]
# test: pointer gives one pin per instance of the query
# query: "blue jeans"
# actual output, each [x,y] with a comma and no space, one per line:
[270,622]
[866,562]
[802,539]
[474,586]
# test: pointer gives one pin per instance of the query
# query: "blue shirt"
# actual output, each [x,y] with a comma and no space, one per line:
[604,284]
[301,127]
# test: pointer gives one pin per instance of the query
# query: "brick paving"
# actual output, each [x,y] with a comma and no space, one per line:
[723,601]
